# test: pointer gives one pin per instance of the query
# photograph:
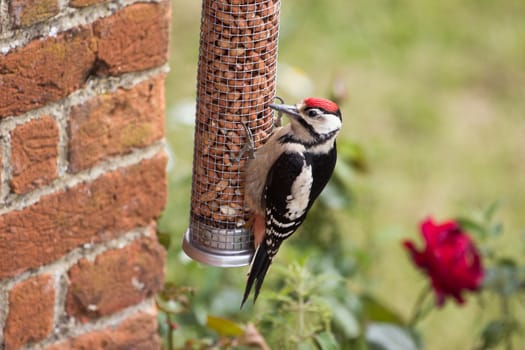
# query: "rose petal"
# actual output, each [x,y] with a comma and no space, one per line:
[417,256]
[449,258]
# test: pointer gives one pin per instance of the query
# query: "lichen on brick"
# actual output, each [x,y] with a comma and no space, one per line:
[85,3]
[45,70]
[113,124]
[133,135]
[28,12]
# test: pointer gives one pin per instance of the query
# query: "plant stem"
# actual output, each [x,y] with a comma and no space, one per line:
[505,310]
[170,332]
[300,307]
[419,311]
[301,317]
[168,323]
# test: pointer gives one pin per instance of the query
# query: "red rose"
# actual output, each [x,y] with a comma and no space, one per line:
[450,259]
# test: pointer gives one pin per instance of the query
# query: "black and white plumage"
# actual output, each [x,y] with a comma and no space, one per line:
[286,176]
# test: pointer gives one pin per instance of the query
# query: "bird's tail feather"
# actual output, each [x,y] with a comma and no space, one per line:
[258,268]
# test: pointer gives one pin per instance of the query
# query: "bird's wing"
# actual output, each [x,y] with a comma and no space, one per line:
[286,202]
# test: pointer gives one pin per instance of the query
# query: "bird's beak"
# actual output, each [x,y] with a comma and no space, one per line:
[289,110]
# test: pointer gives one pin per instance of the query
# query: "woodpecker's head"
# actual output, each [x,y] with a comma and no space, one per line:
[313,120]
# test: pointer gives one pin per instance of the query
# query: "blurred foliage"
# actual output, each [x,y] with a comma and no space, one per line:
[431,95]
[504,281]
[297,313]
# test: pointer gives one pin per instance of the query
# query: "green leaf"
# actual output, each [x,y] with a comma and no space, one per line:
[507,263]
[335,196]
[344,318]
[496,229]
[305,345]
[224,326]
[495,332]
[326,341]
[504,278]
[352,153]
[377,311]
[472,226]
[164,239]
[491,210]
[389,336]
[343,174]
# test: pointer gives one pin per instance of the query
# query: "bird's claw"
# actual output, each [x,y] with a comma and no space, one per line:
[278,121]
[249,146]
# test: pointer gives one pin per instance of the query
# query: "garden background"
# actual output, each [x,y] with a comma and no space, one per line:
[432,96]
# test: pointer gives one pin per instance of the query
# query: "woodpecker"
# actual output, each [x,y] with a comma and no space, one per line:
[285,177]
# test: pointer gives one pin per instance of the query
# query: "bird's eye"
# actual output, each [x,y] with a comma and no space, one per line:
[312,113]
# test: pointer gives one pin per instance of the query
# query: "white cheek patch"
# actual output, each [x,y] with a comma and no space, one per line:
[326,125]
[297,201]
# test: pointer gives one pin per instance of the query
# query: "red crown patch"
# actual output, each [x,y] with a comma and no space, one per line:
[323,103]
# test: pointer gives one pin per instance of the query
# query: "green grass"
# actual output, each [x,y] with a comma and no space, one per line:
[435,99]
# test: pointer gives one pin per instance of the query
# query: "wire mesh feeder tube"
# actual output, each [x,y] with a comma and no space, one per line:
[235,83]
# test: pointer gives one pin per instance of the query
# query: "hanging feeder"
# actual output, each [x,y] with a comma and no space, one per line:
[235,84]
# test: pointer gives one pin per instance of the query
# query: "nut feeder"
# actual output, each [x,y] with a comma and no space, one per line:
[235,83]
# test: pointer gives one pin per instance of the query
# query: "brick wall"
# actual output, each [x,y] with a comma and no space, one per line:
[82,172]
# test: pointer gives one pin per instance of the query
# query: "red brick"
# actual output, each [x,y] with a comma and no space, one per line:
[1,169]
[115,280]
[84,3]
[139,332]
[89,212]
[116,123]
[27,12]
[31,310]
[135,38]
[34,154]
[50,68]
[45,70]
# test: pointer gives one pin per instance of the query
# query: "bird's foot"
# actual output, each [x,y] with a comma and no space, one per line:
[249,146]
[278,121]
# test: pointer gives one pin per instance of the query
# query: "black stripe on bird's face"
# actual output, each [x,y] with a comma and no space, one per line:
[319,125]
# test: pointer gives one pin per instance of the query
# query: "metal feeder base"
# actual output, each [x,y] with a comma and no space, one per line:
[214,258]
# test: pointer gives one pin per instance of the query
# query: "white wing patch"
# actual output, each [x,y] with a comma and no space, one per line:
[297,201]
